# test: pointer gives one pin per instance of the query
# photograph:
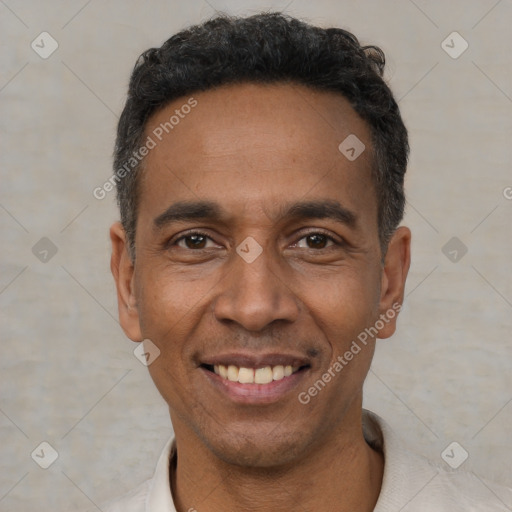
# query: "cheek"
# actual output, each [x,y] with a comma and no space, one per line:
[166,315]
[170,380]
[345,301]
[166,298]
[343,308]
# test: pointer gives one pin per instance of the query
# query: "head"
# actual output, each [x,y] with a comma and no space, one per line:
[247,235]
[267,48]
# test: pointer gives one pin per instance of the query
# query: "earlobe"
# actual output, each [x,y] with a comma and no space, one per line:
[394,276]
[123,271]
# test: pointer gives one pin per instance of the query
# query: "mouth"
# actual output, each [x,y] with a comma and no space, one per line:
[244,375]
[255,379]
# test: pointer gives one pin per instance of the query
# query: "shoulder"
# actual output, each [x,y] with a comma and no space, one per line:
[134,501]
[153,494]
[412,483]
[454,490]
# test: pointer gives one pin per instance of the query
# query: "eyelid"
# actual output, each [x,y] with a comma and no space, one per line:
[297,236]
[184,234]
[319,231]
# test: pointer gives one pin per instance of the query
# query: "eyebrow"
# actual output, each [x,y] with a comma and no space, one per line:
[321,209]
[188,210]
[209,210]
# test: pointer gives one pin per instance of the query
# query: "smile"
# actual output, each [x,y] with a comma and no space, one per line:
[264,375]
[249,378]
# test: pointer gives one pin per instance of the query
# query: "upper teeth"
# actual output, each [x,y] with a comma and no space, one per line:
[254,376]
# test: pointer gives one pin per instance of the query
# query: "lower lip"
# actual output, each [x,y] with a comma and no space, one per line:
[255,393]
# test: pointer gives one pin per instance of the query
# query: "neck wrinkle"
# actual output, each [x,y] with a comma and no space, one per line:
[351,480]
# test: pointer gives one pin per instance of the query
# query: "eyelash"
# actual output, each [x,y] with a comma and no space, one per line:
[189,234]
[206,235]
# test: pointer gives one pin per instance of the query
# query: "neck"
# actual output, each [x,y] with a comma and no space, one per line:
[344,474]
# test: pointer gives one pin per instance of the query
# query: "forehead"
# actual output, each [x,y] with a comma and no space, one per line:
[250,144]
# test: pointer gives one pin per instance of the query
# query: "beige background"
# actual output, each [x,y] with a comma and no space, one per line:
[68,374]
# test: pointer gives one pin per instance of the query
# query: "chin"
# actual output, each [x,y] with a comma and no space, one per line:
[258,447]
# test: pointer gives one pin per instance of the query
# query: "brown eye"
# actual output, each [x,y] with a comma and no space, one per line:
[315,241]
[193,241]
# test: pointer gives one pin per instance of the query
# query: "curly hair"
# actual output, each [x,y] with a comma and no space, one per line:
[266,48]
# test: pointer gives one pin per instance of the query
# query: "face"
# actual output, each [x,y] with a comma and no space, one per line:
[257,255]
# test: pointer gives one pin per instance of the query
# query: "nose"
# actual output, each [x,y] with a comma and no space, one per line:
[256,294]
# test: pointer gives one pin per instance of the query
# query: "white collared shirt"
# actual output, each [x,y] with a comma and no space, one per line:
[411,483]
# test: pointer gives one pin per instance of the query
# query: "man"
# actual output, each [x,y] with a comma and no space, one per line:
[259,167]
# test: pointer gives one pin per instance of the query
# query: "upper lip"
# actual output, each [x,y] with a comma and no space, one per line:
[247,360]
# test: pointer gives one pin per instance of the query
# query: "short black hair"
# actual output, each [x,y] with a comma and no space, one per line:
[266,48]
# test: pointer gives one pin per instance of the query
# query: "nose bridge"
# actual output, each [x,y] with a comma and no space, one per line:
[254,277]
[254,294]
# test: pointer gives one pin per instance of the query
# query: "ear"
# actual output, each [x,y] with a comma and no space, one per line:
[394,275]
[123,271]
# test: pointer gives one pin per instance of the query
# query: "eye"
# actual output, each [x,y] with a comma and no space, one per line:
[316,241]
[194,240]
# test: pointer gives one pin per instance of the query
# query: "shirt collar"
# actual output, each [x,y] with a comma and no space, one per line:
[405,473]
[159,497]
